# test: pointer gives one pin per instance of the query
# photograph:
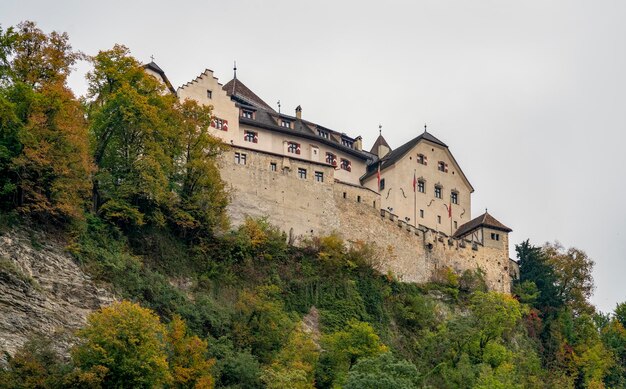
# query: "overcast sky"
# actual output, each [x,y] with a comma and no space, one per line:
[530,96]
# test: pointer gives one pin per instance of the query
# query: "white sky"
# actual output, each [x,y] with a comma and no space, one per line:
[529,95]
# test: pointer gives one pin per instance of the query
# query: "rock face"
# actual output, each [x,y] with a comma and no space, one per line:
[42,290]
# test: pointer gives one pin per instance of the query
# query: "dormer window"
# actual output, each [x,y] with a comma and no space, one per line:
[209,94]
[331,159]
[247,114]
[347,142]
[421,159]
[251,136]
[293,147]
[442,166]
[323,134]
[285,123]
[346,164]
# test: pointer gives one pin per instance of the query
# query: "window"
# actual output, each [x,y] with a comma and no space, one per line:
[247,114]
[319,176]
[344,195]
[421,158]
[251,136]
[240,158]
[273,166]
[323,134]
[347,142]
[382,184]
[438,219]
[438,192]
[495,236]
[421,186]
[302,173]
[422,213]
[220,124]
[455,225]
[293,148]
[209,94]
[454,197]
[346,165]
[285,123]
[331,159]
[358,199]
[442,166]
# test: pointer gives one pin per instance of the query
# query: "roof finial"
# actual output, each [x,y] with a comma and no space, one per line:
[278,106]
[380,129]
[425,128]
[152,58]
[235,70]
[485,210]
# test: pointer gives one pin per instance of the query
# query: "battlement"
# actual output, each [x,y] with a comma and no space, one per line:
[275,187]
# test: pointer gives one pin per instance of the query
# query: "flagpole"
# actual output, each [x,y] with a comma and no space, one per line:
[414,201]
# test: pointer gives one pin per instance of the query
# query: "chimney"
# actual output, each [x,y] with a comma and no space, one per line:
[358,143]
[299,112]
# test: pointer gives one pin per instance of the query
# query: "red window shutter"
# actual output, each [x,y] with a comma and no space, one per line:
[446,168]
[425,160]
[213,123]
[225,125]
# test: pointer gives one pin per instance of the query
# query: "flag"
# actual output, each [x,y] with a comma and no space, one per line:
[378,175]
[414,181]
[450,210]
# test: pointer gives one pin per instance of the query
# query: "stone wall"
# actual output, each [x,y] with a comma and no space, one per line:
[305,207]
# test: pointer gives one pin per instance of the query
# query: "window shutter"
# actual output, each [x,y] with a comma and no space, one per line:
[297,148]
[213,123]
[445,167]
[425,160]
[256,138]
[225,125]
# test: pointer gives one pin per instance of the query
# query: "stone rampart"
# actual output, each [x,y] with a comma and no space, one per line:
[305,207]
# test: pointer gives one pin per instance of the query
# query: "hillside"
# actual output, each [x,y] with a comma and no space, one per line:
[118,266]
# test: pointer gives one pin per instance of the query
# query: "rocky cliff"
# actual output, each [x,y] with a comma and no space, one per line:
[42,290]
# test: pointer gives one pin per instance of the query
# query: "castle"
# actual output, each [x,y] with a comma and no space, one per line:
[413,202]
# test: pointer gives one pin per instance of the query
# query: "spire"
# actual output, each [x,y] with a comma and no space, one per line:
[234,77]
[152,58]
[380,129]
[278,106]
[425,128]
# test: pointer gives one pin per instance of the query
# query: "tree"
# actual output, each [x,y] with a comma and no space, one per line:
[295,363]
[134,139]
[200,187]
[344,348]
[573,271]
[383,372]
[44,155]
[189,365]
[126,341]
[534,267]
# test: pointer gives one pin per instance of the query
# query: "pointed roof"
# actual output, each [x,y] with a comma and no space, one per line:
[395,155]
[380,141]
[484,220]
[157,69]
[237,88]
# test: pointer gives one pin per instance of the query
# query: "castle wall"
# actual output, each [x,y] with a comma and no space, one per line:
[307,208]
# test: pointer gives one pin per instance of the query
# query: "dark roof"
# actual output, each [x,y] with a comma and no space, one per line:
[268,119]
[157,69]
[237,88]
[395,155]
[380,141]
[484,220]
